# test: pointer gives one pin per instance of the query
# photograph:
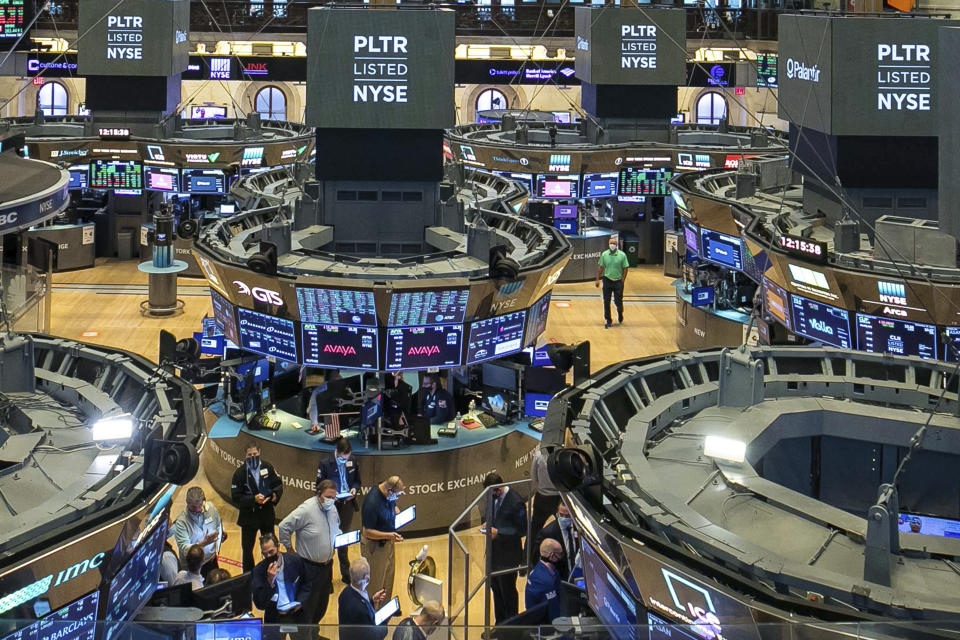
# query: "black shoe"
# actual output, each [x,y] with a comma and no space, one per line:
[620,319]
[606,326]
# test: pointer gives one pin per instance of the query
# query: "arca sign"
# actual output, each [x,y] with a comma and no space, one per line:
[260,294]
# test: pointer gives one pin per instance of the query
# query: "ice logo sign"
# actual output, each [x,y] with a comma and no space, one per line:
[696,602]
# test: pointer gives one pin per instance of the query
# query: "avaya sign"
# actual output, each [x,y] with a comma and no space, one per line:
[259,294]
[427,350]
[339,349]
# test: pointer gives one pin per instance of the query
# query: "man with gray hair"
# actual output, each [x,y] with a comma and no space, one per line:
[199,524]
[356,608]
[418,627]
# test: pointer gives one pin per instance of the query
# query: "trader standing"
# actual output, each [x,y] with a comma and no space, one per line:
[380,534]
[280,584]
[199,523]
[356,609]
[255,490]
[316,526]
[506,527]
[343,471]
[436,402]
[612,269]
[545,497]
[544,584]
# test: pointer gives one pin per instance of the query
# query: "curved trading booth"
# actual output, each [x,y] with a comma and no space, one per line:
[34,192]
[729,490]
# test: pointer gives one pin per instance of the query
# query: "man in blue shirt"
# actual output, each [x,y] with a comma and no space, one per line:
[343,470]
[436,402]
[380,533]
[544,583]
[280,584]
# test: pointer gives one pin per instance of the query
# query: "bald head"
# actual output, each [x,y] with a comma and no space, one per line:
[549,547]
[430,616]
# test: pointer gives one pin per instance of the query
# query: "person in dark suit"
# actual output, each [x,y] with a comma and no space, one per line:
[544,583]
[280,584]
[356,608]
[506,515]
[343,470]
[420,626]
[255,490]
[436,403]
[561,530]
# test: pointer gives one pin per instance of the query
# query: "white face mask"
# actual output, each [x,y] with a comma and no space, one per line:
[613,248]
[362,584]
[326,504]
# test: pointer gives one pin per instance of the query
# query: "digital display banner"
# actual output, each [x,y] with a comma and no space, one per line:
[873,76]
[380,69]
[15,15]
[631,46]
[134,37]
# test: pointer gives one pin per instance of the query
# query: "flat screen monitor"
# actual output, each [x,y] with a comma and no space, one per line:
[259,371]
[600,185]
[535,404]
[75,621]
[567,227]
[499,377]
[386,611]
[702,296]
[526,179]
[251,629]
[721,249]
[207,112]
[767,64]
[557,186]
[777,303]
[16,17]
[136,579]
[340,346]
[899,337]
[424,347]
[116,174]
[228,209]
[639,181]
[821,322]
[420,308]
[928,525]
[223,315]
[211,345]
[161,178]
[564,211]
[347,307]
[951,344]
[405,517]
[561,117]
[267,335]
[496,337]
[204,181]
[691,237]
[608,598]
[537,318]
[79,177]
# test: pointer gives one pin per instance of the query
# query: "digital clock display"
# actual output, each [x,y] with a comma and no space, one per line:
[803,247]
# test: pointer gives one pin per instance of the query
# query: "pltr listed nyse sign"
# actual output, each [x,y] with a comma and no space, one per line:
[903,77]
[638,46]
[124,38]
[380,69]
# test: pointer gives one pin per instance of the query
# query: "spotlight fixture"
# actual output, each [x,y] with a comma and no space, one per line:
[502,267]
[724,449]
[113,428]
[264,261]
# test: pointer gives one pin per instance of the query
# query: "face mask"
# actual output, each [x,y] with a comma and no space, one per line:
[392,497]
[362,584]
[253,462]
[564,522]
[198,515]
[547,559]
[342,460]
[326,504]
[613,248]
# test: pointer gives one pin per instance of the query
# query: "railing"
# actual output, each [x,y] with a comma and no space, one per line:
[534,19]
[25,297]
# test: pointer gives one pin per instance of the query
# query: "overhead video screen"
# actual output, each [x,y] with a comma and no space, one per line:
[496,337]
[15,17]
[537,318]
[79,177]
[424,347]
[557,186]
[76,621]
[636,181]
[223,316]
[267,335]
[899,337]
[341,347]
[116,174]
[161,178]
[767,64]
[337,306]
[821,322]
[441,306]
[380,69]
[631,46]
[204,181]
[133,37]
[136,580]
[777,303]
[600,185]
[721,248]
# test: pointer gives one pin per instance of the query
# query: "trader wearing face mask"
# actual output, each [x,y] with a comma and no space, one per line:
[356,608]
[316,525]
[562,530]
[199,523]
[544,584]
[255,490]
[612,269]
[380,533]
[345,473]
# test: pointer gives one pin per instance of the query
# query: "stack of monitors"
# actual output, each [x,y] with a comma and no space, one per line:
[338,328]
[424,328]
[116,174]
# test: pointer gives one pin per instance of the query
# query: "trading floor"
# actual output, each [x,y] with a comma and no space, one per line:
[100,306]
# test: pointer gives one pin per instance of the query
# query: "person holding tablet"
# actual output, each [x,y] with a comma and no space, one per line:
[280,584]
[380,533]
[357,608]
[345,473]
[255,490]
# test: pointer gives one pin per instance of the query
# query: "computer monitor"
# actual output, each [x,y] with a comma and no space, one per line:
[498,377]
[346,539]
[236,590]
[543,380]
[228,209]
[535,404]
[567,227]
[136,580]
[261,371]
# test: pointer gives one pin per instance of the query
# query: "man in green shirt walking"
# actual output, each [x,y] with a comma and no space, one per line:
[612,270]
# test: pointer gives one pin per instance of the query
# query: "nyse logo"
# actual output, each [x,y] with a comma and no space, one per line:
[46,206]
[260,294]
[892,293]
[339,349]
[498,307]
[423,351]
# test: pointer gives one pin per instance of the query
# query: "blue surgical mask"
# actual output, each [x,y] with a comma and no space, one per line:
[392,497]
[253,462]
[564,522]
[326,504]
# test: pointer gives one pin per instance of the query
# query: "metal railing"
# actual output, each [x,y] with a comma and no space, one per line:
[25,296]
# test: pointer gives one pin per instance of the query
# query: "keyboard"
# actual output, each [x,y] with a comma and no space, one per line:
[537,424]
[486,420]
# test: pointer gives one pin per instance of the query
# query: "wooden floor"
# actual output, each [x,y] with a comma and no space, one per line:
[101,306]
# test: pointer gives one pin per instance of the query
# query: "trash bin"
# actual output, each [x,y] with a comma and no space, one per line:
[125,243]
[630,244]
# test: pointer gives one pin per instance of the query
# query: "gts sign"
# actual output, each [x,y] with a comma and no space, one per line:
[260,294]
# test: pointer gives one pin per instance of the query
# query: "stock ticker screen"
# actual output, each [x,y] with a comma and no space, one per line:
[636,181]
[116,174]
[76,621]
[899,337]
[496,337]
[418,308]
[223,316]
[821,322]
[136,580]
[339,346]
[267,335]
[15,15]
[337,306]
[424,347]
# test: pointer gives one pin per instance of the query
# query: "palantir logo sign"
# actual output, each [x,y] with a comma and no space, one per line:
[800,71]
[124,38]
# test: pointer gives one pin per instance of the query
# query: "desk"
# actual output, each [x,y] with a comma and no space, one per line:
[74,246]
[705,327]
[587,247]
[441,479]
